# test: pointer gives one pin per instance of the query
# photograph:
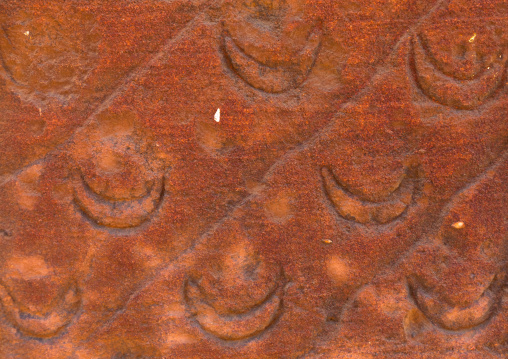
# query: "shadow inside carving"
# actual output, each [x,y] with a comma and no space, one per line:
[118,213]
[234,324]
[454,90]
[354,208]
[457,318]
[42,324]
[271,78]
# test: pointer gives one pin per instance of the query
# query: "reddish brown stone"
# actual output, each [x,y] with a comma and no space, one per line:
[253,179]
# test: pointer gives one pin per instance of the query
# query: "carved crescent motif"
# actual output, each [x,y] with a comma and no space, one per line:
[351,207]
[235,326]
[271,79]
[42,325]
[125,213]
[458,318]
[449,91]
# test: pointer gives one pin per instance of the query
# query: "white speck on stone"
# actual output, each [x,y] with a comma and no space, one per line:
[458,225]
[27,33]
[217,116]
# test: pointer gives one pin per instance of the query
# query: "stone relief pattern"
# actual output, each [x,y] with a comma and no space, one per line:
[350,202]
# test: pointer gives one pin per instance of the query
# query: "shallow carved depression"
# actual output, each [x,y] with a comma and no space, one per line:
[118,213]
[272,78]
[453,89]
[236,325]
[354,208]
[239,299]
[120,180]
[458,317]
[269,44]
[46,323]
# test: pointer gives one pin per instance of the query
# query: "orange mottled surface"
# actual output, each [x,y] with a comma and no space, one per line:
[253,179]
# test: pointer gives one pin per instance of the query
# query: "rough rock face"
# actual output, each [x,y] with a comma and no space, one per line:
[253,179]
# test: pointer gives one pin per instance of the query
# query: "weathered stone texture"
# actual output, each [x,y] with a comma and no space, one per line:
[253,179]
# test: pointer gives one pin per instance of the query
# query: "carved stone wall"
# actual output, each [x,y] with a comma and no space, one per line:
[253,179]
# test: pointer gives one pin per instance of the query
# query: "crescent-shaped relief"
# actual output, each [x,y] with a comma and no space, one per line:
[352,207]
[235,326]
[464,287]
[42,324]
[463,94]
[118,213]
[271,78]
[237,296]
[457,318]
